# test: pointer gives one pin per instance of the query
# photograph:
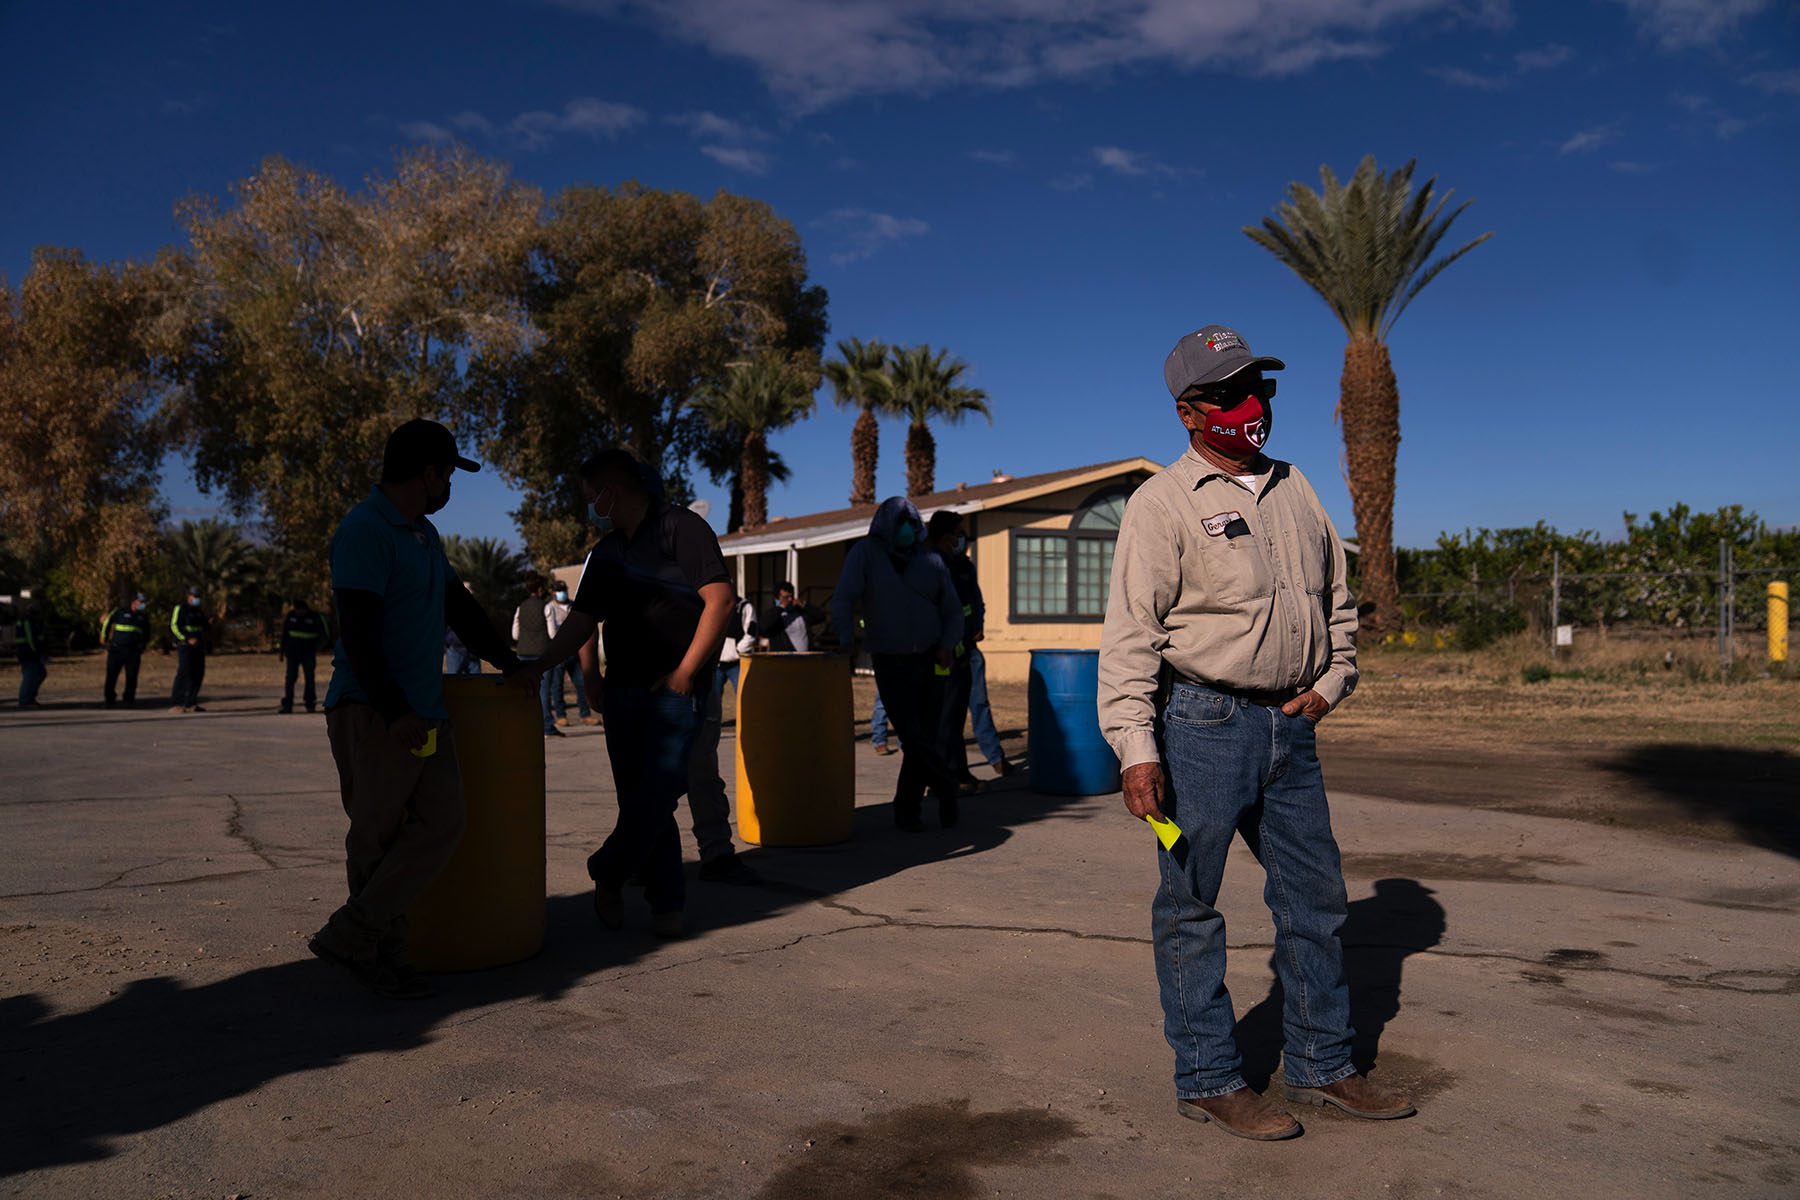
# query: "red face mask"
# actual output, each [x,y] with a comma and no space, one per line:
[1239,431]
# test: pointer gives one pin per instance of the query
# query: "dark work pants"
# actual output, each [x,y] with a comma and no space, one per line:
[129,660]
[296,663]
[649,736]
[956,711]
[190,672]
[913,694]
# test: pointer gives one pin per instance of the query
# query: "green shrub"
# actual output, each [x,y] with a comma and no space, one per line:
[1536,673]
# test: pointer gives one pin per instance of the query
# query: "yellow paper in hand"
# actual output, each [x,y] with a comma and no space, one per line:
[1167,832]
[430,746]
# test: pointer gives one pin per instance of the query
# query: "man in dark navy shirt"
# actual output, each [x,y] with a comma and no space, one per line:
[657,581]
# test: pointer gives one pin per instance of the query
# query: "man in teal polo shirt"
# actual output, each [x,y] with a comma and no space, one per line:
[384,712]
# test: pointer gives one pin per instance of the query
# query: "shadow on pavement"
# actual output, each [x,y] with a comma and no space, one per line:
[1403,917]
[1752,789]
[161,1050]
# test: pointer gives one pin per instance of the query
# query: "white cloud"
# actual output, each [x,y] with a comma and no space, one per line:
[1708,112]
[534,130]
[861,233]
[818,52]
[583,115]
[426,131]
[1589,139]
[1543,58]
[1686,24]
[712,126]
[738,158]
[1776,83]
[1628,167]
[994,158]
[1462,77]
[1121,161]
[1523,63]
[1077,181]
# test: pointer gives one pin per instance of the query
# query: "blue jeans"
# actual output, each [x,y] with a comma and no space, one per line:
[31,677]
[986,736]
[878,733]
[460,662]
[1242,768]
[543,691]
[571,669]
[649,735]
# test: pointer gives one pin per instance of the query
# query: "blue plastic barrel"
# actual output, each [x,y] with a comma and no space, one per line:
[1068,755]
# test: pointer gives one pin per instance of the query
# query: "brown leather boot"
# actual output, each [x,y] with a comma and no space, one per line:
[1243,1113]
[1357,1096]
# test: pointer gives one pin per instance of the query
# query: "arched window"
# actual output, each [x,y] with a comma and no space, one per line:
[1063,575]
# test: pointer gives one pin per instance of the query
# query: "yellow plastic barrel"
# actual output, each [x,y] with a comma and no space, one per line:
[796,766]
[487,908]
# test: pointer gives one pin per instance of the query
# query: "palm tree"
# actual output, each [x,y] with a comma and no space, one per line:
[215,556]
[1363,247]
[492,570]
[925,387]
[757,397]
[859,379]
[720,453]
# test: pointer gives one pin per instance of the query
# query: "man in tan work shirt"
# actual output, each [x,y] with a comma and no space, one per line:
[1229,634]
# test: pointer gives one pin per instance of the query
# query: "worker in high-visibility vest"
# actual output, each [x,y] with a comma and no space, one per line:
[33,650]
[125,632]
[190,627]
[303,633]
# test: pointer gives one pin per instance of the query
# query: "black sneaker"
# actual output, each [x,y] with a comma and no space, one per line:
[949,812]
[286,708]
[554,732]
[729,868]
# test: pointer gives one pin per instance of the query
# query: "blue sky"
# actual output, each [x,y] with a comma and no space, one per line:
[1054,190]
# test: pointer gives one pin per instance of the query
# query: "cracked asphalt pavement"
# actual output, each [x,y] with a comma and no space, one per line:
[1579,1008]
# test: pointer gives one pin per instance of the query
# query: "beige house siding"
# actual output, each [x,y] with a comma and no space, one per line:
[994,512]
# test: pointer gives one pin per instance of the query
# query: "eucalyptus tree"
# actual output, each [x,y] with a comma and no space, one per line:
[641,299]
[756,398]
[81,442]
[1366,248]
[926,388]
[859,379]
[307,320]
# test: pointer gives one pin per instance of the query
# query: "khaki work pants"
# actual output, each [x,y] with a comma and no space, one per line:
[406,818]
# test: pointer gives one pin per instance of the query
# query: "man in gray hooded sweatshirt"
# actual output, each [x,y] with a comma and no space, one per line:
[912,621]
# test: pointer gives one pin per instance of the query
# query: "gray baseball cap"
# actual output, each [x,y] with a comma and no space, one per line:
[1208,355]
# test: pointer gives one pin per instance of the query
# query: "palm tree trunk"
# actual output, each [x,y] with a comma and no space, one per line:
[921,460]
[1369,402]
[754,470]
[734,518]
[865,451]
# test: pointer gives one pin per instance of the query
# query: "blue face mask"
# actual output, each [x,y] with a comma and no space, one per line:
[962,543]
[193,601]
[600,521]
[906,535]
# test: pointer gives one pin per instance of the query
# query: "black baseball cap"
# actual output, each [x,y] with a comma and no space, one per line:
[419,444]
[1211,354]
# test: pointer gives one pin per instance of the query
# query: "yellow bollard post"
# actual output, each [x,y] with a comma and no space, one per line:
[487,908]
[796,766]
[1778,621]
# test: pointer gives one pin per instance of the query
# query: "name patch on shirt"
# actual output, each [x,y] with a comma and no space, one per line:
[1218,522]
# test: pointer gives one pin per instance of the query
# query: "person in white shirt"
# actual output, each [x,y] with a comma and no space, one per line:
[569,671]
